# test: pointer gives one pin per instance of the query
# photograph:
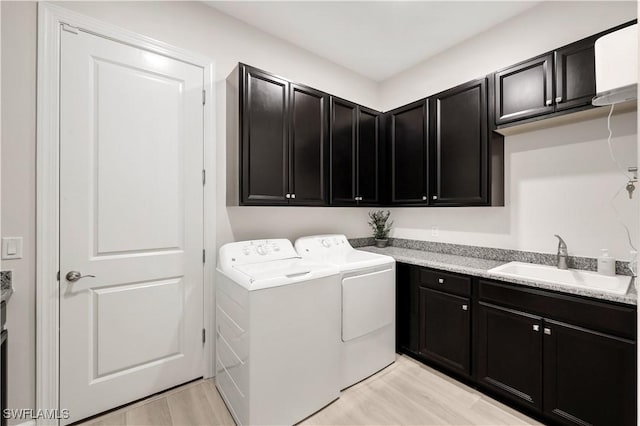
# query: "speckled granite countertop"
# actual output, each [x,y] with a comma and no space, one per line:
[480,268]
[5,294]
[5,285]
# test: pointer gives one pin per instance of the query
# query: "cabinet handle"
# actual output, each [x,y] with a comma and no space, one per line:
[293,195]
[536,327]
[287,196]
[465,307]
[435,197]
[547,331]
[548,103]
[441,280]
[424,197]
[559,99]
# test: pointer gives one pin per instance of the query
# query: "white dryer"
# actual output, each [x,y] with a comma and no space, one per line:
[278,333]
[368,296]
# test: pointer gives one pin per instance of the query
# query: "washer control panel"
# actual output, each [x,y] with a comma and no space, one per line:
[256,251]
[323,244]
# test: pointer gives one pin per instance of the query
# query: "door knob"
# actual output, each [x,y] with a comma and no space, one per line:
[73,276]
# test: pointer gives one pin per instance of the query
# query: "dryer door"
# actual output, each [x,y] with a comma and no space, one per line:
[368,303]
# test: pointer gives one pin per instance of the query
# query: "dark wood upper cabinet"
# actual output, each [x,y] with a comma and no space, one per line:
[509,358]
[408,144]
[309,146]
[344,133]
[445,325]
[589,377]
[264,135]
[355,152]
[285,141]
[575,74]
[301,146]
[524,90]
[369,165]
[459,146]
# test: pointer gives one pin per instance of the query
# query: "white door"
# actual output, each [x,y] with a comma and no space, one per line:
[131,214]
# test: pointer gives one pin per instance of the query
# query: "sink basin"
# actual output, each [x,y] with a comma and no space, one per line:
[618,284]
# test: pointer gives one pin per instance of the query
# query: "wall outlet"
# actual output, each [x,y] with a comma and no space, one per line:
[435,231]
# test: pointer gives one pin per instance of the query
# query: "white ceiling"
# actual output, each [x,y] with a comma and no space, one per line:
[377,39]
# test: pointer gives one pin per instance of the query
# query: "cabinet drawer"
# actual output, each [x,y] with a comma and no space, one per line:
[601,316]
[445,281]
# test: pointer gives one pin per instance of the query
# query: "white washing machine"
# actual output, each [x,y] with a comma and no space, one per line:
[368,296]
[278,333]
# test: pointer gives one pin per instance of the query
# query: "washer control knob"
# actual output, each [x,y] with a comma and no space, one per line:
[325,243]
[261,250]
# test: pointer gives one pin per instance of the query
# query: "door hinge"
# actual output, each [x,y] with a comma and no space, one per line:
[58,276]
[204,96]
[204,177]
[204,255]
[204,335]
[70,29]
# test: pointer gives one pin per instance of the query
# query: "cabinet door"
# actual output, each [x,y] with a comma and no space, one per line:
[575,75]
[368,182]
[524,90]
[408,134]
[264,138]
[509,359]
[343,125]
[309,146]
[407,308]
[444,329]
[460,158]
[589,377]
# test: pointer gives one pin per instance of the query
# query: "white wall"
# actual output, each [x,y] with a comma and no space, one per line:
[538,30]
[558,180]
[18,189]
[537,163]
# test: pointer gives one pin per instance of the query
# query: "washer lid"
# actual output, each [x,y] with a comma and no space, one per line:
[277,273]
[336,250]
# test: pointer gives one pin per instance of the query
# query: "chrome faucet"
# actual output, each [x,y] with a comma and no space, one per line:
[562,253]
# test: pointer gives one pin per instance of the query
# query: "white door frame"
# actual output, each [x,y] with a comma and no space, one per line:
[50,19]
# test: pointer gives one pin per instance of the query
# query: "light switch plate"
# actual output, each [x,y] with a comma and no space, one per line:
[11,248]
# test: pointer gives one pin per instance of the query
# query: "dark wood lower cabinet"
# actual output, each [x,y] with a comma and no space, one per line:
[509,358]
[445,329]
[562,358]
[407,309]
[589,377]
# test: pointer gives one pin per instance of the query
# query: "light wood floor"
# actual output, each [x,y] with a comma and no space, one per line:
[406,392]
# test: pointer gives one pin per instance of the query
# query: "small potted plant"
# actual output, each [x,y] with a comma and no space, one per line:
[378,220]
